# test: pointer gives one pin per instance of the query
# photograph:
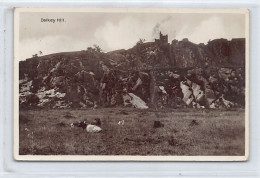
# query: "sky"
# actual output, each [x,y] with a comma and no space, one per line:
[112,31]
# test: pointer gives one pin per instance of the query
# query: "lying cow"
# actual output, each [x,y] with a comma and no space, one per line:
[79,124]
[85,126]
[93,128]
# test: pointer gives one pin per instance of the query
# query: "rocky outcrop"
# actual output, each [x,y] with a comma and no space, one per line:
[219,52]
[180,74]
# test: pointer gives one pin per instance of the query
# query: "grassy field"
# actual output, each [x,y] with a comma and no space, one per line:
[215,132]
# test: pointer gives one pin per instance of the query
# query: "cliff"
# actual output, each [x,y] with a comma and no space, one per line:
[180,74]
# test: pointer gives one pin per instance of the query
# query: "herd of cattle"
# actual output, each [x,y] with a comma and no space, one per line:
[95,125]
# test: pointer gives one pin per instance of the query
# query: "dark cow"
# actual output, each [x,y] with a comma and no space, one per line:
[157,124]
[81,124]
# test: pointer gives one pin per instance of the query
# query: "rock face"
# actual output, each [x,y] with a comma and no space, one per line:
[180,74]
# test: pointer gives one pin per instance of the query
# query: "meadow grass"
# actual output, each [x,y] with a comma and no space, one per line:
[215,132]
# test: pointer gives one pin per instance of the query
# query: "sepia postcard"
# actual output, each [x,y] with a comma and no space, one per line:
[131,84]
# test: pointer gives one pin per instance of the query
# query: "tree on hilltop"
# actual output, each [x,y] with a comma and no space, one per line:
[141,41]
[35,55]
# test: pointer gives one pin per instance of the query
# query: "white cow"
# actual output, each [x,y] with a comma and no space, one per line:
[93,128]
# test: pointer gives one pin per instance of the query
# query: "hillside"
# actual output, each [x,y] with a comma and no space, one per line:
[149,75]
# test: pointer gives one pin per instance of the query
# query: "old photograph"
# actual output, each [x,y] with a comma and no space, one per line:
[122,84]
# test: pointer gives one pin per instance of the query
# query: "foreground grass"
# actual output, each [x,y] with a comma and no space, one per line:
[215,132]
